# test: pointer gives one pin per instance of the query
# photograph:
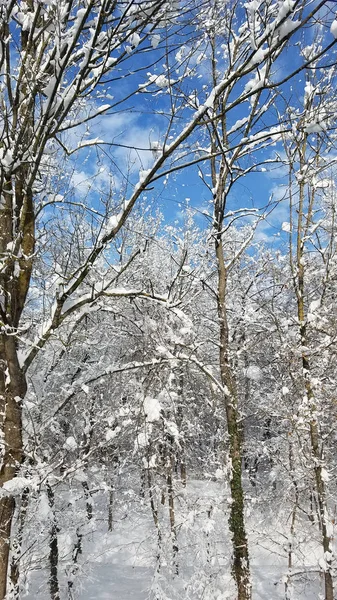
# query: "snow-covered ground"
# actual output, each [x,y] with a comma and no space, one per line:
[121,564]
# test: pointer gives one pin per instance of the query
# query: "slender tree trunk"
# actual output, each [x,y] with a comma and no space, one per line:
[155,519]
[113,483]
[170,495]
[317,456]
[303,224]
[53,549]
[180,414]
[183,473]
[77,551]
[110,507]
[287,583]
[241,569]
[88,503]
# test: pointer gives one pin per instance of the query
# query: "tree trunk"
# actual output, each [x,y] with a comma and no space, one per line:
[77,551]
[241,569]
[155,519]
[170,495]
[17,547]
[7,506]
[287,583]
[53,549]
[88,504]
[111,506]
[16,253]
[12,390]
[316,442]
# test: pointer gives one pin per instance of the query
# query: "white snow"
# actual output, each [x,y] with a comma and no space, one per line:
[258,56]
[141,440]
[172,429]
[112,222]
[152,409]
[155,39]
[285,8]
[333,28]
[43,510]
[287,27]
[286,226]
[254,373]
[112,433]
[15,486]
[121,564]
[70,443]
[252,6]
[257,82]
[135,39]
[325,475]
[315,127]
[314,305]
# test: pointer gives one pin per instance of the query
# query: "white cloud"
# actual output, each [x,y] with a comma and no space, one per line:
[81,182]
[135,153]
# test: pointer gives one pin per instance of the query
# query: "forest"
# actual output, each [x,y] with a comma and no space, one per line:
[168,286]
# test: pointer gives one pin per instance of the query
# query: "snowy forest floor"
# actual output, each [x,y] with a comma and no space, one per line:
[121,564]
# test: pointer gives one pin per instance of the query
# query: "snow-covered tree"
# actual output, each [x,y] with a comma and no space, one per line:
[68,187]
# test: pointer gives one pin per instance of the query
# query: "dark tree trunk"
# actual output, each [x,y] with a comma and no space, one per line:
[170,495]
[53,549]
[77,551]
[17,547]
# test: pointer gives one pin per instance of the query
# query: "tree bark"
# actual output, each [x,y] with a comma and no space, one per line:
[316,443]
[241,569]
[17,243]
[170,495]
[12,390]
[77,551]
[53,549]
[17,547]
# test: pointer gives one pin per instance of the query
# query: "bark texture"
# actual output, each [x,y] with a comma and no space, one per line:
[241,569]
[14,284]
[305,211]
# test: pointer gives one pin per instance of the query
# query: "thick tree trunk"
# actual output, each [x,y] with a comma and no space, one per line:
[16,255]
[7,506]
[16,549]
[12,390]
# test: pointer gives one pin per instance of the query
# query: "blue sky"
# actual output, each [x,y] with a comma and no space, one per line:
[142,123]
